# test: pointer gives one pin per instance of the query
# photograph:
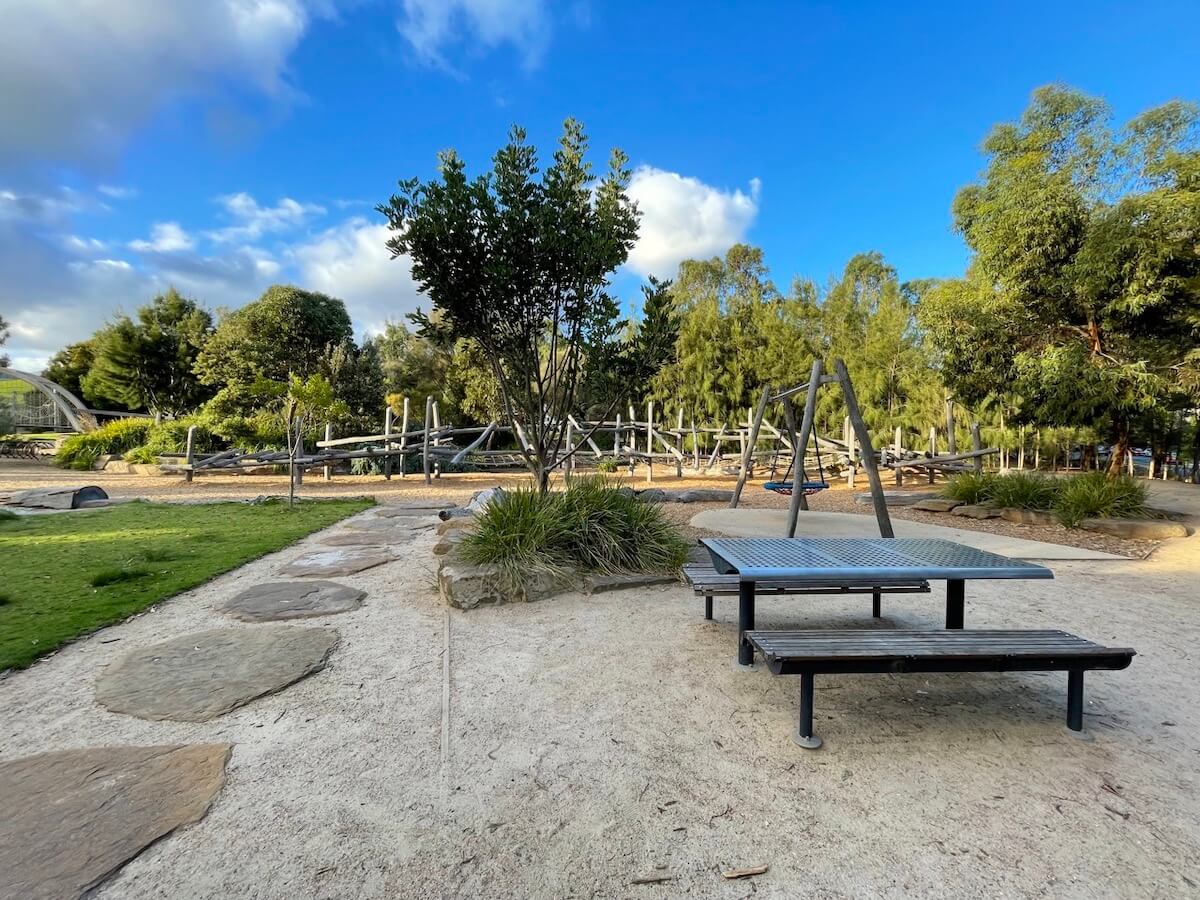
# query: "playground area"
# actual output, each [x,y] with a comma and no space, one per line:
[441,752]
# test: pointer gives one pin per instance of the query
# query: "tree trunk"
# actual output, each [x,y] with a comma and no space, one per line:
[1120,449]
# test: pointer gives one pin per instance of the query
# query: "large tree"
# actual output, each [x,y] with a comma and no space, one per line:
[147,362]
[518,259]
[1082,303]
[69,365]
[3,338]
[286,331]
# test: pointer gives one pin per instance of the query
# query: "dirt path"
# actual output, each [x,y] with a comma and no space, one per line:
[565,748]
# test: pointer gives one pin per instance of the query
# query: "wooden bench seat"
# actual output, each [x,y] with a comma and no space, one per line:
[707,582]
[811,653]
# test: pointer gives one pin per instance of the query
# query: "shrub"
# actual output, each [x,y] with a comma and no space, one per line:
[590,526]
[969,487]
[80,451]
[1095,495]
[1024,490]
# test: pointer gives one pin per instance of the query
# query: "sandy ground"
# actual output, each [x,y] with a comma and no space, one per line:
[564,748]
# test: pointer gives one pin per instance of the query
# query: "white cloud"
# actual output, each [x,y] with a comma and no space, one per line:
[165,237]
[253,221]
[117,192]
[350,261]
[80,77]
[431,27]
[684,218]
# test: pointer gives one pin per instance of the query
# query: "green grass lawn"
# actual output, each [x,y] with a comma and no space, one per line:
[66,574]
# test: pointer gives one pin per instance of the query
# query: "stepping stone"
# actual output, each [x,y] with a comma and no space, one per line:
[393,526]
[365,538]
[72,818]
[280,600]
[420,508]
[1028,516]
[976,511]
[937,504]
[325,563]
[197,677]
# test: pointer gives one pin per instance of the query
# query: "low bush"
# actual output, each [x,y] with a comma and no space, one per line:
[1024,490]
[969,487]
[608,464]
[80,451]
[1095,495]
[590,526]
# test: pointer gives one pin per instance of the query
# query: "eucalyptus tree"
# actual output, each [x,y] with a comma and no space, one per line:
[518,259]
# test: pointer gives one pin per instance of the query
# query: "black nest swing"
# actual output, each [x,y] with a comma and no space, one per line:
[786,488]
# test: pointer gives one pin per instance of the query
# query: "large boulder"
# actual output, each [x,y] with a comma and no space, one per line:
[72,818]
[480,499]
[466,586]
[447,542]
[651,495]
[58,497]
[197,677]
[1138,529]
[1028,516]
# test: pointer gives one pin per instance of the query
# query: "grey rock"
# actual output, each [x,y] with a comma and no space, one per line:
[480,499]
[447,542]
[72,818]
[704,495]
[897,498]
[398,527]
[466,587]
[937,504]
[455,524]
[197,677]
[347,561]
[651,495]
[58,498]
[1028,516]
[279,600]
[420,508]
[601,584]
[1138,529]
[367,538]
[976,511]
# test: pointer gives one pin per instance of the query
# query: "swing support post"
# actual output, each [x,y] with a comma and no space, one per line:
[800,447]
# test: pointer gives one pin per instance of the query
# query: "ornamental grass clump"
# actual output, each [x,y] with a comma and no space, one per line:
[1096,496]
[589,527]
[969,487]
[1024,490]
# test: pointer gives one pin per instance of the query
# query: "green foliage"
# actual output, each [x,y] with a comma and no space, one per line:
[969,487]
[285,331]
[7,515]
[1024,490]
[50,562]
[521,265]
[117,574]
[148,363]
[1093,495]
[590,526]
[608,465]
[80,451]
[68,367]
[3,337]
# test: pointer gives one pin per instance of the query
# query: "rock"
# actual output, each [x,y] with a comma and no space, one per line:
[936,504]
[72,818]
[197,677]
[145,469]
[455,524]
[58,498]
[897,498]
[1137,529]
[447,542]
[455,512]
[279,600]
[368,538]
[651,495]
[326,563]
[976,511]
[466,587]
[704,495]
[115,466]
[601,584]
[401,528]
[1028,516]
[417,508]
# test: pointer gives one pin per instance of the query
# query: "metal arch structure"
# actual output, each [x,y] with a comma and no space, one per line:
[73,409]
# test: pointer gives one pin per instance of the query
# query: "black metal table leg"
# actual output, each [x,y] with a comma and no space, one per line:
[745,621]
[1075,699]
[876,606]
[804,731]
[955,595]
[708,606]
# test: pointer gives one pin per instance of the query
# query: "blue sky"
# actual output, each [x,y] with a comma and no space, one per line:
[225,145]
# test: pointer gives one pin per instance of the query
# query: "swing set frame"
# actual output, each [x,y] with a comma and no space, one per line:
[800,438]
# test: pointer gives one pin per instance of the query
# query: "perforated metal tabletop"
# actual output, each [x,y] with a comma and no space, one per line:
[884,560]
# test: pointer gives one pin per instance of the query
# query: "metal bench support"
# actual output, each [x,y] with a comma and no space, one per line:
[956,590]
[876,610]
[745,622]
[1075,699]
[804,732]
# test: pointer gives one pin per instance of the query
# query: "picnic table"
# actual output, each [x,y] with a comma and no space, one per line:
[881,561]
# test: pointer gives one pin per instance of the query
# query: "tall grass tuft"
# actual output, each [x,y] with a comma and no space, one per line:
[1095,495]
[969,487]
[590,527]
[1024,490]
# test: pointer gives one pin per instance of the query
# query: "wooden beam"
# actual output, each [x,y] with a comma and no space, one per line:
[800,448]
[425,458]
[748,448]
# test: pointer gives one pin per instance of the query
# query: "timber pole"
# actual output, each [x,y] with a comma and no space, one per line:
[425,459]
[866,451]
[748,447]
[800,448]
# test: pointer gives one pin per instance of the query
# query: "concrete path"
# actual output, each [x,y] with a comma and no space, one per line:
[772,523]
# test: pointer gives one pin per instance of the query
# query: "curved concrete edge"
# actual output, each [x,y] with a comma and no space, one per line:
[773,522]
